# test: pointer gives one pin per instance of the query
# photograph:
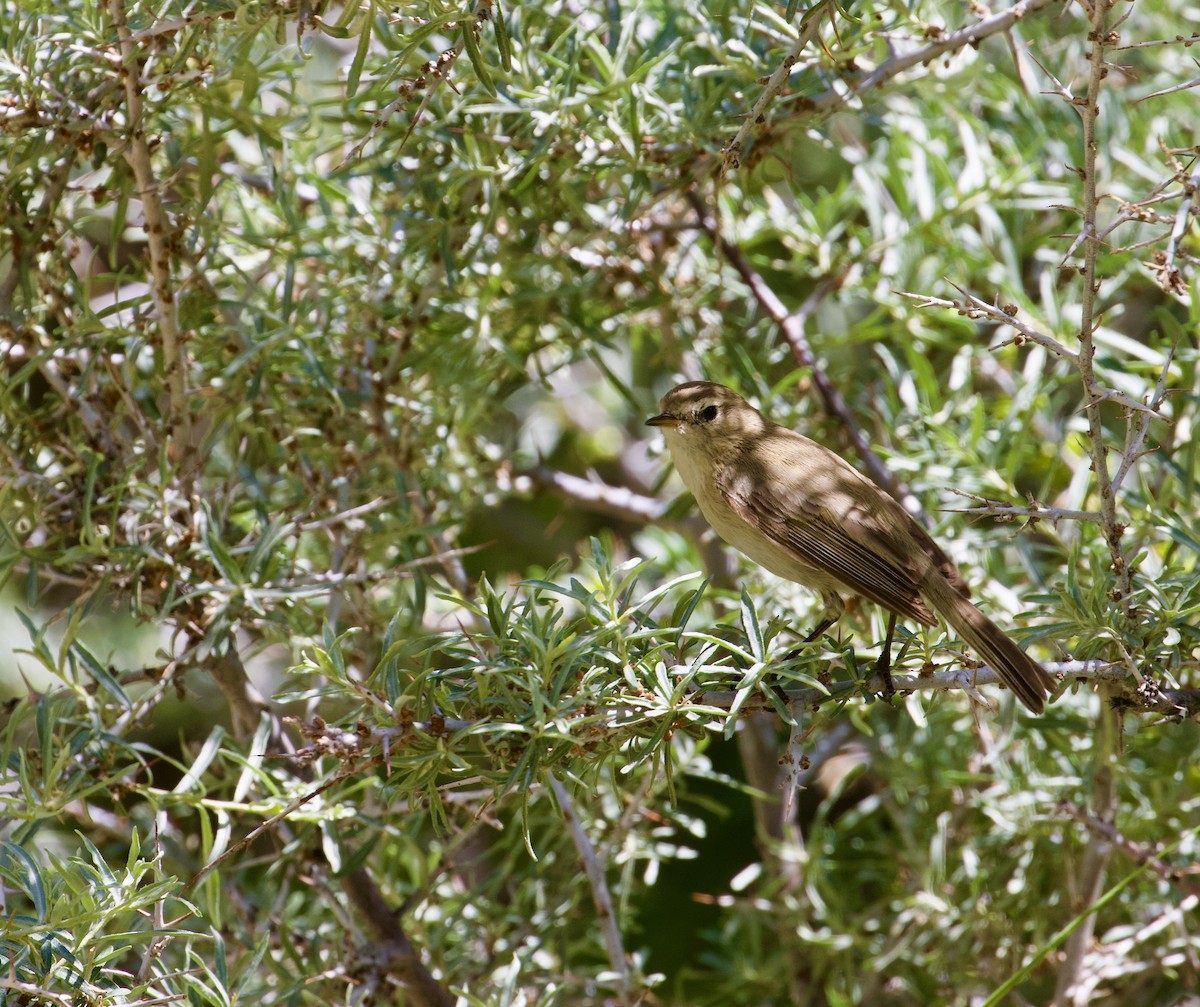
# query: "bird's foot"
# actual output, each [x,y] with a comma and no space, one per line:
[883,671]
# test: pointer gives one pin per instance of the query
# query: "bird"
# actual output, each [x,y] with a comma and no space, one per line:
[806,514]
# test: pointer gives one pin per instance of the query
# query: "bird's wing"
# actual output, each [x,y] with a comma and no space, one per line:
[829,521]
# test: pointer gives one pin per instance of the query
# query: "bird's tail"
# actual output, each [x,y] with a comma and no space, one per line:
[1028,680]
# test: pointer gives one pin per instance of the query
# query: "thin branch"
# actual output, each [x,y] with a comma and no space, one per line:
[431,77]
[1033,512]
[345,773]
[433,74]
[791,326]
[1089,113]
[613,501]
[594,870]
[731,155]
[27,234]
[1107,832]
[1099,850]
[1187,85]
[392,953]
[157,229]
[341,517]
[976,307]
[1184,40]
[1137,437]
[953,680]
[1169,276]
[835,99]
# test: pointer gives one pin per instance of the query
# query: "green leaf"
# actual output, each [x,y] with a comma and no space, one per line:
[471,45]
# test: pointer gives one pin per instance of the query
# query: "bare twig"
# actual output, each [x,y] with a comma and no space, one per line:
[1099,849]
[342,516]
[157,228]
[731,155]
[1169,275]
[1138,432]
[392,953]
[1106,831]
[614,501]
[1184,40]
[594,869]
[837,98]
[1089,112]
[1187,85]
[976,307]
[1032,513]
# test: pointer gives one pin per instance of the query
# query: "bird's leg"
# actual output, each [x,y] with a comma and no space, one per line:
[826,621]
[883,667]
[834,607]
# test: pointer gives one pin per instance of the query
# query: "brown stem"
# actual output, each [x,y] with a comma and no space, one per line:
[971,35]
[1089,112]
[731,155]
[392,953]
[1099,849]
[157,228]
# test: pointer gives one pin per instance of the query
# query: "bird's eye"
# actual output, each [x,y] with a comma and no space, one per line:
[708,413]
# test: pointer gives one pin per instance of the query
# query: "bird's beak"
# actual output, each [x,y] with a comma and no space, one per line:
[663,420]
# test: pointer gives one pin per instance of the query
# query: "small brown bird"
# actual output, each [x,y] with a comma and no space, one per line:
[804,513]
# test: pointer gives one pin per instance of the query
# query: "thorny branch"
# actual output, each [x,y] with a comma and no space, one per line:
[1138,853]
[1089,112]
[1032,513]
[837,97]
[731,157]
[975,307]
[593,869]
[1169,275]
[158,229]
[1102,796]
